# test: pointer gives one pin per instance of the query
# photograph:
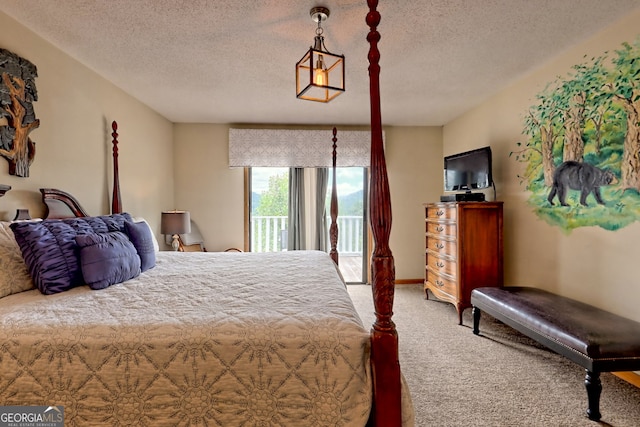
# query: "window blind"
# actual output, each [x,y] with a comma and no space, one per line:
[297,148]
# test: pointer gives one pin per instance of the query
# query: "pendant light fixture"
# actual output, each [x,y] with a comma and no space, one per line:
[320,73]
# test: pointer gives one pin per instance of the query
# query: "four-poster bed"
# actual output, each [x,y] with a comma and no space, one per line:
[336,348]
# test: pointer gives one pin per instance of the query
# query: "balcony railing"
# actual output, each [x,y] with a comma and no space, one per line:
[269,234]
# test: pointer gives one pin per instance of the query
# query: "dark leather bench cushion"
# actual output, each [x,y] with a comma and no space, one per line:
[587,329]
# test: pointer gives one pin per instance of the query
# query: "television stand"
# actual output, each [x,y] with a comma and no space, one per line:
[463,197]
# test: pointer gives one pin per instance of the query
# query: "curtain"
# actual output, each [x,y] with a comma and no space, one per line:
[297,148]
[296,232]
[322,179]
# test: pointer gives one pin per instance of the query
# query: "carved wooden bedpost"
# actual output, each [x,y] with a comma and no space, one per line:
[384,337]
[333,229]
[116,202]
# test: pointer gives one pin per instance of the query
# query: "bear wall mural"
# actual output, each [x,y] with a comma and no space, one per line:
[582,156]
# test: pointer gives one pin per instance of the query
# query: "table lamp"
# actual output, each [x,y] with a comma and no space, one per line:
[174,223]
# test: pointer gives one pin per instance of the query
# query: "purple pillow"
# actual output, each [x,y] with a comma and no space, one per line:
[107,259]
[142,239]
[50,250]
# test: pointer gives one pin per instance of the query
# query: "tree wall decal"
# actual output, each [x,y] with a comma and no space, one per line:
[624,87]
[17,94]
[588,121]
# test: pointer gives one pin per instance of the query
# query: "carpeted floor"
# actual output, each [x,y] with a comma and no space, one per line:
[500,378]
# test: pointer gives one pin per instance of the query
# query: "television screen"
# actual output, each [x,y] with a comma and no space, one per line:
[468,171]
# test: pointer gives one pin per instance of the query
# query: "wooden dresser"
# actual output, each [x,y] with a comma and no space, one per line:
[463,250]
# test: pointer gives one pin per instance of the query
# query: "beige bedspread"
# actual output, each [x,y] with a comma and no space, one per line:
[229,339]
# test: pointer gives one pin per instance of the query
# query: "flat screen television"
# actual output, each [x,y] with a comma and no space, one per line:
[468,171]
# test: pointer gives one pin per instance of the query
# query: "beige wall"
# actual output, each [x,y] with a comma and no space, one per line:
[76,107]
[414,163]
[589,264]
[205,185]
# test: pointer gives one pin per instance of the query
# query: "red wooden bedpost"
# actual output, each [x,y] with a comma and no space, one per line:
[116,203]
[384,337]
[333,229]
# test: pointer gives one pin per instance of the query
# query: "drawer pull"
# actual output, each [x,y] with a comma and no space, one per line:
[440,264]
[439,283]
[439,229]
[439,213]
[439,245]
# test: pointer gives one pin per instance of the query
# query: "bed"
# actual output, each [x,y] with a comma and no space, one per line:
[149,352]
[205,338]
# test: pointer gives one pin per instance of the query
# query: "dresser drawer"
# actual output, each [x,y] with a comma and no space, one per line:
[442,212]
[441,265]
[463,250]
[441,284]
[442,229]
[445,248]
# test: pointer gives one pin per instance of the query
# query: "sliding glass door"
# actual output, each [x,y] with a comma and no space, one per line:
[269,209]
[351,185]
[269,226]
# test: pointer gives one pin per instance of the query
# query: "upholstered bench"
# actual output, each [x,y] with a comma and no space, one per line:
[595,339]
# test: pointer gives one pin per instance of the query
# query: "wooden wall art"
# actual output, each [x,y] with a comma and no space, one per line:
[17,118]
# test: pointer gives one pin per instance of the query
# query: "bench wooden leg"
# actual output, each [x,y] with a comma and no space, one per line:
[594,388]
[475,311]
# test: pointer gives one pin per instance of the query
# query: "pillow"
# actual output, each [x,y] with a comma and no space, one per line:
[50,251]
[107,259]
[140,235]
[14,276]
[156,246]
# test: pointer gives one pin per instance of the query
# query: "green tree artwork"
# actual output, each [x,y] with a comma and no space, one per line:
[582,156]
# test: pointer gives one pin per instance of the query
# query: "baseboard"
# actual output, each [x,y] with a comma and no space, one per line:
[408,281]
[630,377]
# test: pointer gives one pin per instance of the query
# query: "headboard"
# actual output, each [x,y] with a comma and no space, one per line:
[61,204]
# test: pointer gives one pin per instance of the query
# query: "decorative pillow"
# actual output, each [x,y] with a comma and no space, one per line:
[156,246]
[14,276]
[107,259]
[140,235]
[50,251]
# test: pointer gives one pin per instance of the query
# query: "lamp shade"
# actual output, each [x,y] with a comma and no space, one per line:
[175,222]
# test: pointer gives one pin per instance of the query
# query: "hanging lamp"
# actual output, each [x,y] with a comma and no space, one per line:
[320,73]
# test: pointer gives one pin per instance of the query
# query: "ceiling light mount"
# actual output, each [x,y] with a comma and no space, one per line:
[319,14]
[320,73]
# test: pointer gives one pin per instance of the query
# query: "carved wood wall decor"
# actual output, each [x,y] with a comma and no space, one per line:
[17,94]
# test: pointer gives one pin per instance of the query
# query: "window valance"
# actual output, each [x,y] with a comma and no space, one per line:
[297,148]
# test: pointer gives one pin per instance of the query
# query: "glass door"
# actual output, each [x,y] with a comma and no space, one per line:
[351,184]
[269,209]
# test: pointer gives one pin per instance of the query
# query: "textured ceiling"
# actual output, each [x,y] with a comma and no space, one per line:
[233,61]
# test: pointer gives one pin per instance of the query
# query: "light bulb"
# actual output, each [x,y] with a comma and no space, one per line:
[320,72]
[321,78]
